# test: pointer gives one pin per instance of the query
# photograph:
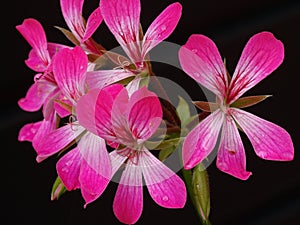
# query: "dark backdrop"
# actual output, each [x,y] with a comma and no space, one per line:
[270,196]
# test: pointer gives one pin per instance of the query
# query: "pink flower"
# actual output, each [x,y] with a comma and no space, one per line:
[44,90]
[201,60]
[86,166]
[81,29]
[123,20]
[128,122]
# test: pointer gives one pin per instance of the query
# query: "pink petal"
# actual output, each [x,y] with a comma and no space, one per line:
[57,140]
[28,131]
[72,13]
[53,48]
[165,187]
[36,63]
[102,78]
[128,202]
[92,24]
[69,69]
[200,142]
[85,110]
[162,27]
[96,170]
[261,56]
[47,126]
[105,122]
[36,96]
[231,156]
[201,60]
[116,160]
[123,20]
[35,35]
[145,113]
[68,169]
[61,111]
[269,140]
[48,106]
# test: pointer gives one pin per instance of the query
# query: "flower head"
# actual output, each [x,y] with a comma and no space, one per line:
[123,20]
[201,60]
[128,122]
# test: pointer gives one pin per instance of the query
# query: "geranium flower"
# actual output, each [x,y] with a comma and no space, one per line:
[86,166]
[123,20]
[201,60]
[44,90]
[128,122]
[81,30]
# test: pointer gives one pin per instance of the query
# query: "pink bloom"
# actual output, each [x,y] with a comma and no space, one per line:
[44,90]
[82,30]
[86,166]
[40,61]
[201,60]
[123,20]
[129,121]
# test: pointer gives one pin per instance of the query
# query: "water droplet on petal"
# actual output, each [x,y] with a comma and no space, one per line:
[165,198]
[263,155]
[196,74]
[223,166]
[66,170]
[163,27]
[194,50]
[68,163]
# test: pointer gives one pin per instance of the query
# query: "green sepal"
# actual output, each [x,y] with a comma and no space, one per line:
[206,106]
[58,189]
[249,101]
[201,192]
[68,35]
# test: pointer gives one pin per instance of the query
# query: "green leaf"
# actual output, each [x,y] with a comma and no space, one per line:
[58,189]
[183,110]
[160,145]
[165,153]
[249,101]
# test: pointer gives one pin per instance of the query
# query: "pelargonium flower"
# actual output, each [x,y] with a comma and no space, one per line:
[44,90]
[123,20]
[86,166]
[128,122]
[81,30]
[201,60]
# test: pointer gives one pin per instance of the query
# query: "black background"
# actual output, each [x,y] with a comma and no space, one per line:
[269,197]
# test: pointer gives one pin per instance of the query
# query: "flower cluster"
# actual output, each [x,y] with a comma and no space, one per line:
[101,119]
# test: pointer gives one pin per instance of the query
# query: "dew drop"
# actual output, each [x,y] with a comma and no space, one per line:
[223,166]
[66,170]
[263,155]
[68,163]
[196,74]
[165,198]
[198,186]
[194,50]
[163,27]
